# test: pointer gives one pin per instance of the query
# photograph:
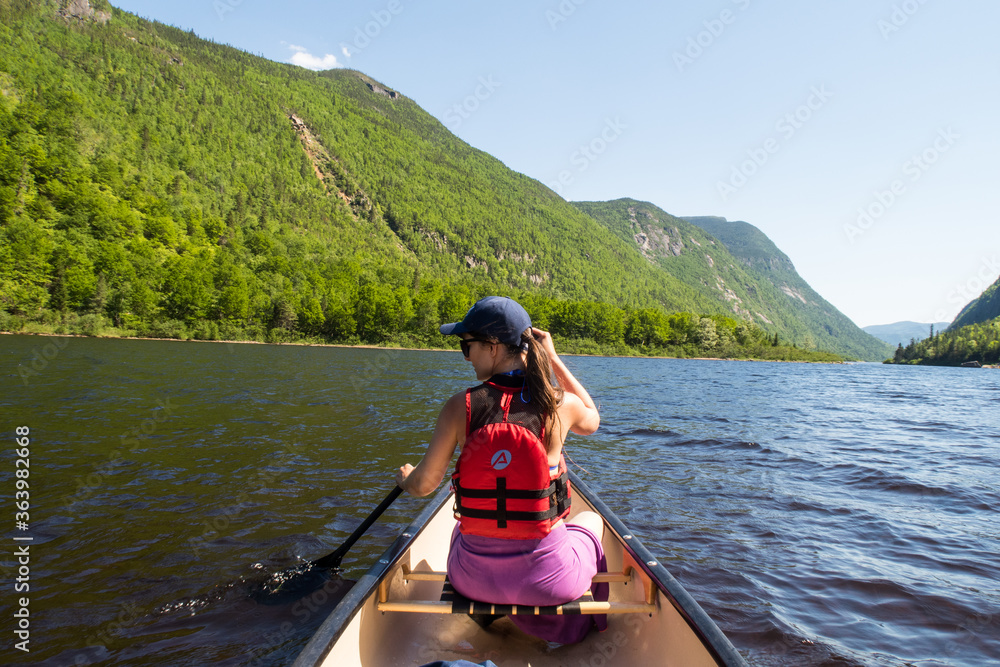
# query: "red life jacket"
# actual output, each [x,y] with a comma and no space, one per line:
[503,487]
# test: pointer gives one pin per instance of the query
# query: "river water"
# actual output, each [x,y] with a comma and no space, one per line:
[821,514]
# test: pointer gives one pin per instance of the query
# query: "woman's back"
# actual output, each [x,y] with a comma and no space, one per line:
[512,491]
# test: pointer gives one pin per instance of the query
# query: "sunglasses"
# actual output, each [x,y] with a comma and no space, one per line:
[464,344]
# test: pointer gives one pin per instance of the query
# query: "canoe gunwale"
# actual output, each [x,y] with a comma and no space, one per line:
[323,641]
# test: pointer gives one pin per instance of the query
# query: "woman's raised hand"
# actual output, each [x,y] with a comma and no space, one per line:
[545,338]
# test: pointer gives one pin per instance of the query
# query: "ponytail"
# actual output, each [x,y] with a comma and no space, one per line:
[538,378]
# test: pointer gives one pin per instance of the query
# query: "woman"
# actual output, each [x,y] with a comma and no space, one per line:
[512,545]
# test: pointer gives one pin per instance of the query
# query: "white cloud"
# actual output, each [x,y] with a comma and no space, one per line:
[303,58]
[346,52]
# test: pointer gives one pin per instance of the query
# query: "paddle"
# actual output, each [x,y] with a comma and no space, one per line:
[332,561]
[292,584]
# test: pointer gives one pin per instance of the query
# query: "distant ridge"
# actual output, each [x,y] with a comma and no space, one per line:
[901,333]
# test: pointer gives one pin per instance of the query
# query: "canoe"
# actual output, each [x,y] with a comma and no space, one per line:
[394,614]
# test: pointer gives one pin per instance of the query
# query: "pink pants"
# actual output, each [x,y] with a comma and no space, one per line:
[552,570]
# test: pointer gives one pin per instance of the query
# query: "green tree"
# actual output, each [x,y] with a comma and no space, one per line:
[233,301]
[310,315]
[284,316]
[73,279]
[426,316]
[338,315]
[706,335]
[25,250]
[455,302]
[189,288]
[375,312]
[607,324]
[647,327]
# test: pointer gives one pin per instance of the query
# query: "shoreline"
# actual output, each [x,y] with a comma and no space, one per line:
[361,346]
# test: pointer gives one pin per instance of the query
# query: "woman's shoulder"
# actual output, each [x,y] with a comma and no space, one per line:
[568,401]
[577,416]
[456,402]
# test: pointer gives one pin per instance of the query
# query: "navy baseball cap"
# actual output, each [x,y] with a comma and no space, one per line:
[497,316]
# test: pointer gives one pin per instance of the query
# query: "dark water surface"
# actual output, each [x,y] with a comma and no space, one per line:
[822,514]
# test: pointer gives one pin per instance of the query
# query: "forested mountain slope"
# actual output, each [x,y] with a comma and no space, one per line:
[741,270]
[141,167]
[974,336]
[167,185]
[977,342]
[768,265]
[982,309]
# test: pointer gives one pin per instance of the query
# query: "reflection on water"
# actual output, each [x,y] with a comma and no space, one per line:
[835,515]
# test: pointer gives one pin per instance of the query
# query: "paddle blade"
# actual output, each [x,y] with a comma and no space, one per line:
[331,561]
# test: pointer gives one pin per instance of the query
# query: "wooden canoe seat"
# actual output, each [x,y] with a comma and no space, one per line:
[453,602]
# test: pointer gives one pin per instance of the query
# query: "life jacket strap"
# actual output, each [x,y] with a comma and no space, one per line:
[557,492]
[516,494]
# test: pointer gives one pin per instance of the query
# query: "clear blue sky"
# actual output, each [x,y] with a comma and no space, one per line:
[860,135]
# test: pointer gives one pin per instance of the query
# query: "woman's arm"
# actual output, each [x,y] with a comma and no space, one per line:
[449,431]
[578,409]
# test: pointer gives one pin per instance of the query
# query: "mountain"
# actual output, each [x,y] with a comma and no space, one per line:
[738,267]
[170,186]
[770,266]
[901,333]
[982,309]
[977,343]
[973,337]
[171,165]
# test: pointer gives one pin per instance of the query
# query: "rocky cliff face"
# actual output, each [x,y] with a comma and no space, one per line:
[654,239]
[80,10]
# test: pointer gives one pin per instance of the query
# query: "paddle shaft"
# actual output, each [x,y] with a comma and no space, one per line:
[333,560]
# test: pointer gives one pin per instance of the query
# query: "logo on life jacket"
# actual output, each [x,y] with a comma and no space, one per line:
[500,460]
